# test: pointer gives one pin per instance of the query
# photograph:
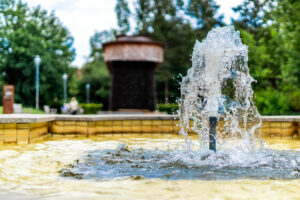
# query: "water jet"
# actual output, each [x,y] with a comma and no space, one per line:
[217,88]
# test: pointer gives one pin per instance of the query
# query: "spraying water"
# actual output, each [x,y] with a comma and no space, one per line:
[218,87]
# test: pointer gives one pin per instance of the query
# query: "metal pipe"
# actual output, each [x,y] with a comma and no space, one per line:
[212,133]
[37,78]
[87,87]
[37,61]
[65,79]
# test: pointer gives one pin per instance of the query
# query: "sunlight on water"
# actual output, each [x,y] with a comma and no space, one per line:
[134,166]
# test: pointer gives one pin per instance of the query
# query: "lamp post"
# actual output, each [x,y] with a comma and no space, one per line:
[87,87]
[65,78]
[37,61]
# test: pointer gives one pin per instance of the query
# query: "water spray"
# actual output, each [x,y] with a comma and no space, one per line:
[218,88]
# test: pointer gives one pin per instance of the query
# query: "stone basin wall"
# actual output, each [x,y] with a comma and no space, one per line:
[25,129]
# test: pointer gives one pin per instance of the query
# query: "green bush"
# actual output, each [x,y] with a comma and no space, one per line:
[271,102]
[170,108]
[295,101]
[57,104]
[91,108]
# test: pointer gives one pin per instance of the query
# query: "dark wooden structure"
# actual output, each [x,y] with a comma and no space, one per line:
[8,99]
[132,61]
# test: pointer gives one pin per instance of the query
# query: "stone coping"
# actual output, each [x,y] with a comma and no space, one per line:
[38,118]
[281,118]
[112,117]
[25,118]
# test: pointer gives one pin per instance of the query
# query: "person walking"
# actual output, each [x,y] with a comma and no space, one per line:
[74,107]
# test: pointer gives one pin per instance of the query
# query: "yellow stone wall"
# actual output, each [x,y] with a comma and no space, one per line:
[114,126]
[14,133]
[279,129]
[269,129]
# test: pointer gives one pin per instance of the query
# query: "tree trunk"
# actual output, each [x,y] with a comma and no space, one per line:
[166,92]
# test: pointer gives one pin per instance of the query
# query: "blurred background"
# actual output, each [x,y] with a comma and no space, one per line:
[270,28]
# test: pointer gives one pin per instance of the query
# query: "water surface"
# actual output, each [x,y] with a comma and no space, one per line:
[146,167]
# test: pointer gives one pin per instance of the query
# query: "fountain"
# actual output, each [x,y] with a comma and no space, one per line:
[218,88]
[216,103]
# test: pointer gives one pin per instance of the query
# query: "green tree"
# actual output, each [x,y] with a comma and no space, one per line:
[205,14]
[144,15]
[161,21]
[24,33]
[253,15]
[170,22]
[274,58]
[95,72]
[286,31]
[123,14]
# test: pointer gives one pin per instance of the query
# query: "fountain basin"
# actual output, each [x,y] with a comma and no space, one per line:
[71,168]
[138,156]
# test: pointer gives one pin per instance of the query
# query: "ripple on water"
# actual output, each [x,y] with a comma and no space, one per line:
[179,164]
[105,168]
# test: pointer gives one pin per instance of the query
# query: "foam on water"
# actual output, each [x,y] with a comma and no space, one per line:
[174,164]
[219,85]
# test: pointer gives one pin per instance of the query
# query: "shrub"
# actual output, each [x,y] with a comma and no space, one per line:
[57,105]
[170,108]
[91,108]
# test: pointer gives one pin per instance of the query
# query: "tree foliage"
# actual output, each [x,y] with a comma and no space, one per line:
[270,28]
[123,14]
[252,14]
[274,57]
[163,21]
[24,33]
[94,72]
[205,14]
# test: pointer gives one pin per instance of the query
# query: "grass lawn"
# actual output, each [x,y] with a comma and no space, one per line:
[26,110]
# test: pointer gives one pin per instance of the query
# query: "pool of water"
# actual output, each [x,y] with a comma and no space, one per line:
[147,167]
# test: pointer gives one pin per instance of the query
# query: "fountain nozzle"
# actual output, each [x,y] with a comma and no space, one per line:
[212,133]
